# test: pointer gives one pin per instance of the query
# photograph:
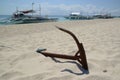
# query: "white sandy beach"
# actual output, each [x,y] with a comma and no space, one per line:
[20,61]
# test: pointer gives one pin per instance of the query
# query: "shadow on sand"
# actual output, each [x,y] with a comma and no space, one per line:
[70,71]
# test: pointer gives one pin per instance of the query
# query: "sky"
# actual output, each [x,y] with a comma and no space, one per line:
[62,7]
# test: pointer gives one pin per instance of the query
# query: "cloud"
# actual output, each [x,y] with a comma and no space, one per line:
[115,12]
[59,9]
[63,9]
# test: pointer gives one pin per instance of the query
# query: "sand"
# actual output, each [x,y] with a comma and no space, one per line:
[19,60]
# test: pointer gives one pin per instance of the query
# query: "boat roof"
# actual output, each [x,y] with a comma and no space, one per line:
[27,11]
[75,13]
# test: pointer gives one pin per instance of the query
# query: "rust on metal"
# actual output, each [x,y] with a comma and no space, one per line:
[80,55]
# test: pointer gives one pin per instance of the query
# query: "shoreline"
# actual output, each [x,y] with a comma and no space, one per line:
[37,27]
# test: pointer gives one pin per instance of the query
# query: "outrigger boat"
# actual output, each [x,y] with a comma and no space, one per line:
[21,17]
[102,16]
[77,16]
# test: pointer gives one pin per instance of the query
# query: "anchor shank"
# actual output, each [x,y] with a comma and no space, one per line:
[83,56]
[47,54]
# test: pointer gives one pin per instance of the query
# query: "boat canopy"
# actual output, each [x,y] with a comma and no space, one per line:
[28,11]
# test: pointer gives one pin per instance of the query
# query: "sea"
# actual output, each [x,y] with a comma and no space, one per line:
[5,19]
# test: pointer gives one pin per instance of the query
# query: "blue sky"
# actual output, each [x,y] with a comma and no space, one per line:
[62,7]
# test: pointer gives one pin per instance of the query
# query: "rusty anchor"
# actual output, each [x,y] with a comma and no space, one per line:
[80,55]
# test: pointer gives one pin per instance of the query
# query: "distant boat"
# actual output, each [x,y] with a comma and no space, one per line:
[77,16]
[21,17]
[102,16]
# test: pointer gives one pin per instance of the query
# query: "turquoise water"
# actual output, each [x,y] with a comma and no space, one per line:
[5,19]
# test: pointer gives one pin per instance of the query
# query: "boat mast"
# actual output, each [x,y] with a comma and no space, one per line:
[17,10]
[39,9]
[32,8]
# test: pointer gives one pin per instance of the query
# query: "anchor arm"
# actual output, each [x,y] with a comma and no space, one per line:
[70,33]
